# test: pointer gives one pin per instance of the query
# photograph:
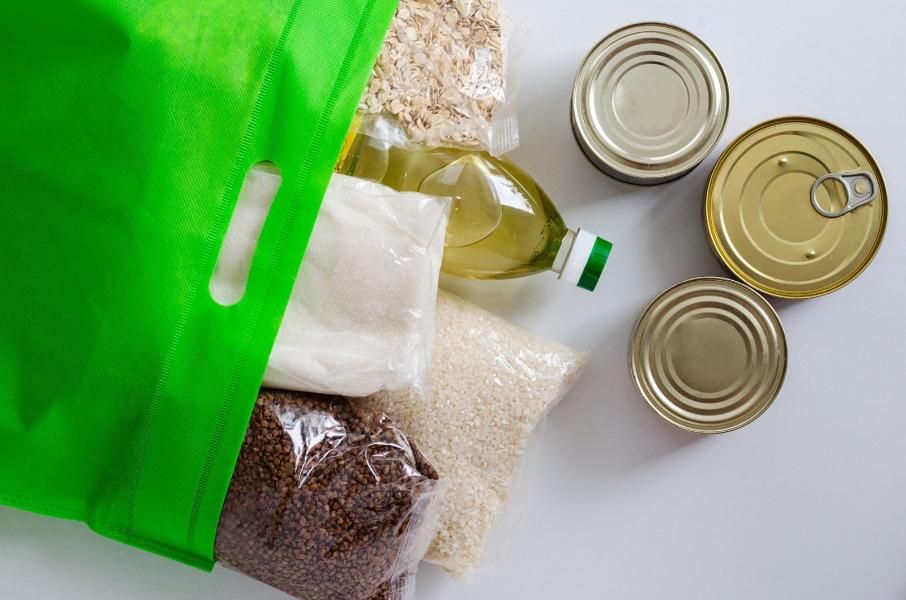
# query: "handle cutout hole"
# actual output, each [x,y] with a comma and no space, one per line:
[227,286]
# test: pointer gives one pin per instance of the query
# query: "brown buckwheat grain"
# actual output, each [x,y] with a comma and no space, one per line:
[328,501]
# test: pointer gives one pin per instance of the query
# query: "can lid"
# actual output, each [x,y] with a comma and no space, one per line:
[650,101]
[586,260]
[709,355]
[796,207]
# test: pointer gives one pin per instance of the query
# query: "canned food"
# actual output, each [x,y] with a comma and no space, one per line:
[796,207]
[709,355]
[650,101]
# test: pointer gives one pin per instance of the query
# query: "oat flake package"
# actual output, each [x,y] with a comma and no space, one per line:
[125,389]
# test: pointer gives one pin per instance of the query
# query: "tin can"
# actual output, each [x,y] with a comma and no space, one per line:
[709,355]
[796,207]
[649,103]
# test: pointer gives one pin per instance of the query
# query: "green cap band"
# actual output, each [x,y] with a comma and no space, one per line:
[597,258]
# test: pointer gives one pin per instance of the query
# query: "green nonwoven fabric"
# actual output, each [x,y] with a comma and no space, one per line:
[126,130]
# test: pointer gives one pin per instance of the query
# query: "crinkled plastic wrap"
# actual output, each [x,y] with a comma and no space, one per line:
[491,384]
[329,501]
[361,315]
[447,72]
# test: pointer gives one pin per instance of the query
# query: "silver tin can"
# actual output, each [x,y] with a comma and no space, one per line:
[649,103]
[709,355]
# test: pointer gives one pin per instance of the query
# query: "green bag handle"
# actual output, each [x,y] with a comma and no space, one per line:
[125,389]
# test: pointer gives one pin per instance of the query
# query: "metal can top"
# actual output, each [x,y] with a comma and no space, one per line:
[650,101]
[796,207]
[709,355]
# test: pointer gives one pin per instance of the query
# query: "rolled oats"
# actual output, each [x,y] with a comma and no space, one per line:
[442,71]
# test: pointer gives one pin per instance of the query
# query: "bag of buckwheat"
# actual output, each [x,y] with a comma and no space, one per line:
[328,501]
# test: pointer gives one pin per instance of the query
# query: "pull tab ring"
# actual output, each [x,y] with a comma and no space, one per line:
[861,188]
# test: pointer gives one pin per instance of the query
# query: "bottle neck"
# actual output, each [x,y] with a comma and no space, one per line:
[566,246]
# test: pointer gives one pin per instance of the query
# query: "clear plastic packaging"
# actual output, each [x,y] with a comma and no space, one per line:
[447,72]
[361,315]
[491,384]
[329,501]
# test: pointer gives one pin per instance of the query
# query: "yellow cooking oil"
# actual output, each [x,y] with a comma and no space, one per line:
[502,224]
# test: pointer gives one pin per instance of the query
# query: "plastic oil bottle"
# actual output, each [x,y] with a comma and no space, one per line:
[502,224]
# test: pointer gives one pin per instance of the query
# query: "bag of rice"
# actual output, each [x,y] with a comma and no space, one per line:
[490,384]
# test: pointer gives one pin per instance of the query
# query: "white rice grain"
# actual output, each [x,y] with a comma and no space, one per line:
[491,383]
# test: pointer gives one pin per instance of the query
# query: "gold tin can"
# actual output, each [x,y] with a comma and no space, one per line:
[796,207]
[709,355]
[649,103]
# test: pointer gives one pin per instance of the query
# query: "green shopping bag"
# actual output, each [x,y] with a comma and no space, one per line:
[126,130]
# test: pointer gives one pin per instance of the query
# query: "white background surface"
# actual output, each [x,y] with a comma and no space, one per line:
[807,502]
